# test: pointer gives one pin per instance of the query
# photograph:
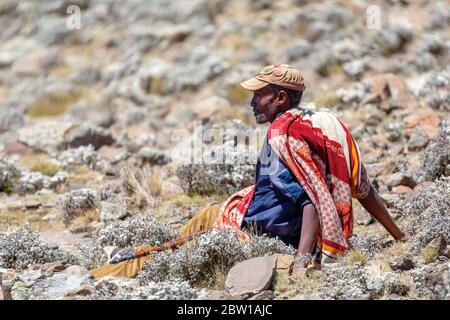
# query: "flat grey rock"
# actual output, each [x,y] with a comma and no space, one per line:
[251,277]
[46,136]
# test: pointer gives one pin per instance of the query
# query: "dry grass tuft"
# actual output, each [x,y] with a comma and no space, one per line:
[186,200]
[327,99]
[217,279]
[429,254]
[356,256]
[144,185]
[81,174]
[280,282]
[40,163]
[86,218]
[11,218]
[54,103]
[329,70]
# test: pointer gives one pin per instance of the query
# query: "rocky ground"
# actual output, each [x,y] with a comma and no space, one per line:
[96,123]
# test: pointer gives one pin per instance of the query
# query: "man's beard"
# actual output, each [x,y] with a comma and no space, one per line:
[260,118]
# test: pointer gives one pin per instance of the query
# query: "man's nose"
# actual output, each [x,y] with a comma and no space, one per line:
[253,102]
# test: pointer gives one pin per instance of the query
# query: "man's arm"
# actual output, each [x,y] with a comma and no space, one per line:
[375,206]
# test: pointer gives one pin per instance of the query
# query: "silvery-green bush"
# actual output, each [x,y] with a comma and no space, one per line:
[22,248]
[435,160]
[118,289]
[79,201]
[140,229]
[197,260]
[8,171]
[430,209]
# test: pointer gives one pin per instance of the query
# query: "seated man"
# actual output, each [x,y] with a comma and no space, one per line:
[306,175]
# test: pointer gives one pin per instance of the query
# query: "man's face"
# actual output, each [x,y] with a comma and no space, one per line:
[265,105]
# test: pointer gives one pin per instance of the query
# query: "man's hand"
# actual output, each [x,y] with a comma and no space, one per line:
[406,236]
[303,266]
[298,272]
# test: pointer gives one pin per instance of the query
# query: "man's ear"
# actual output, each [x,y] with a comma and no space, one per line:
[283,97]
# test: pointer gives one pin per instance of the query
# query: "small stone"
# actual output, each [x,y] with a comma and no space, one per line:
[152,156]
[284,262]
[251,277]
[31,204]
[389,89]
[402,264]
[12,146]
[401,189]
[418,140]
[50,204]
[177,116]
[390,199]
[400,178]
[439,243]
[425,118]
[372,157]
[446,253]
[286,295]
[170,189]
[53,267]
[50,217]
[109,153]
[83,291]
[15,205]
[421,187]
[219,295]
[265,295]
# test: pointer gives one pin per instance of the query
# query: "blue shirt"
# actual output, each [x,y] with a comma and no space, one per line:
[277,205]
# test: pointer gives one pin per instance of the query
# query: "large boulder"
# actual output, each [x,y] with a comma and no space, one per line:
[45,136]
